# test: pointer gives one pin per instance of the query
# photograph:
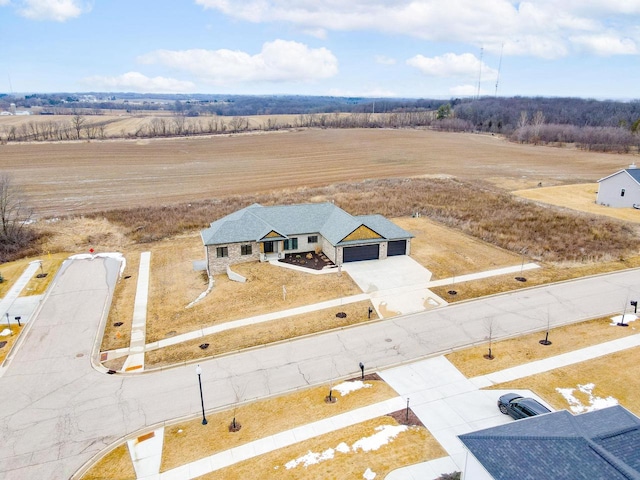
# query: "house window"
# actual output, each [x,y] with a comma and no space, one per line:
[245,249]
[291,244]
[622,192]
[222,252]
[312,239]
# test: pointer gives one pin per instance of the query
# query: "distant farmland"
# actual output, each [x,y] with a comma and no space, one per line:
[82,176]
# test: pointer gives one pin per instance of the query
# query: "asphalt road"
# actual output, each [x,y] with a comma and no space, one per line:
[58,411]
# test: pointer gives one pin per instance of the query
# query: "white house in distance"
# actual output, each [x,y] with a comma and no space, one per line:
[621,189]
[266,233]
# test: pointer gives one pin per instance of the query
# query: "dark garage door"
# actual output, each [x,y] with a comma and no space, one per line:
[397,247]
[364,252]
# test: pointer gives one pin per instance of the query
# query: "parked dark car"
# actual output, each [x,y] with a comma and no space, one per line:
[518,407]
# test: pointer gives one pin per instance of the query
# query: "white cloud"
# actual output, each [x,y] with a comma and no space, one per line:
[384,60]
[137,82]
[278,61]
[541,28]
[4,2]
[56,10]
[451,65]
[606,45]
[320,33]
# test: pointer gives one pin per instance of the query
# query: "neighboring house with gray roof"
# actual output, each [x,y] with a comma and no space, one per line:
[620,189]
[266,233]
[602,444]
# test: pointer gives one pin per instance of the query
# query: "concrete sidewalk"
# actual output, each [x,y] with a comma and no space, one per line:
[280,440]
[449,405]
[135,360]
[445,401]
[222,327]
[12,295]
[392,300]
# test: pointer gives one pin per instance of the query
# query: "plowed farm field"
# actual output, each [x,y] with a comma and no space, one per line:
[78,177]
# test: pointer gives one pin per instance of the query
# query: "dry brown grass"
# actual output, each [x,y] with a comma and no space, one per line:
[549,273]
[122,305]
[581,197]
[115,465]
[262,293]
[10,339]
[79,234]
[447,252]
[543,232]
[11,271]
[50,265]
[526,348]
[409,447]
[614,375]
[261,334]
[189,441]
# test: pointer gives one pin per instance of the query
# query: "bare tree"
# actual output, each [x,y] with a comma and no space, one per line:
[239,124]
[15,215]
[523,121]
[239,394]
[77,122]
[537,121]
[489,327]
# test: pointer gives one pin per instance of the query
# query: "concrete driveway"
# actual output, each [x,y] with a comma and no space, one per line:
[448,404]
[396,285]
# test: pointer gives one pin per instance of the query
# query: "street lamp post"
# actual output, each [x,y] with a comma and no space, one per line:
[199,372]
[407,417]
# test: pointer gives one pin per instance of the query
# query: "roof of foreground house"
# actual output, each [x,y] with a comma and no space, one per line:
[255,222]
[600,444]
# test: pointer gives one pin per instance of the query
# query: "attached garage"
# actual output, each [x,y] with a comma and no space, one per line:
[362,252]
[396,247]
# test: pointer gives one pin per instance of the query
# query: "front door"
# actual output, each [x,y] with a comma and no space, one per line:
[270,247]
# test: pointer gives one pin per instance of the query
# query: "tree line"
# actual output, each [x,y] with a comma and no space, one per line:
[589,124]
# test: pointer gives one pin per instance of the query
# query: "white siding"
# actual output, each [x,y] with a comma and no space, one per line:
[609,191]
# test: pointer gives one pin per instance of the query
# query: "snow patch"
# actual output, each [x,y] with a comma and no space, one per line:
[627,317]
[384,435]
[90,256]
[343,448]
[310,458]
[595,403]
[347,387]
[6,332]
[369,475]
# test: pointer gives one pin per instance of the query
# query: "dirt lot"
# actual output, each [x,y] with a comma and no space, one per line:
[75,177]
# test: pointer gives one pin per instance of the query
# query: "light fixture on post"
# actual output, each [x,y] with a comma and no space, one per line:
[199,372]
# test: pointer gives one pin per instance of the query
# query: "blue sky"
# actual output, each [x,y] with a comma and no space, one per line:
[387,48]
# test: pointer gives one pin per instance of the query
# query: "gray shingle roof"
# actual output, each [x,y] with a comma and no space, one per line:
[254,222]
[600,444]
[633,172]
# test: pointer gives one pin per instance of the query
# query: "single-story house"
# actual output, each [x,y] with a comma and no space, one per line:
[620,189]
[266,233]
[599,444]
